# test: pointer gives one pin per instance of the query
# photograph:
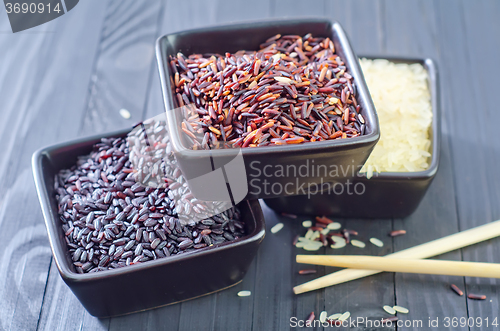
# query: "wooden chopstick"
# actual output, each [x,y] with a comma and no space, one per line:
[417,266]
[423,251]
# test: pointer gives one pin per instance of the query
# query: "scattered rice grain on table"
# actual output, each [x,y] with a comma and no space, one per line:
[456,289]
[358,243]
[396,233]
[401,310]
[307,271]
[377,242]
[476,296]
[402,99]
[311,247]
[389,310]
[390,319]
[307,224]
[322,316]
[309,319]
[244,293]
[325,231]
[344,316]
[277,228]
[300,244]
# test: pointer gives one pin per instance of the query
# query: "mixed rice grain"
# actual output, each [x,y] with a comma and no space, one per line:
[293,90]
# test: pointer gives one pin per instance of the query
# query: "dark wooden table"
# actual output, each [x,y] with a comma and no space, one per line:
[70,77]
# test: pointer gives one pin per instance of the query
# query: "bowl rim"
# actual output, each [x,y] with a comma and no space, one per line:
[59,248]
[318,146]
[434,89]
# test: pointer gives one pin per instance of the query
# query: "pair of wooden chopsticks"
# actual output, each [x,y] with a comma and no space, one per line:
[407,260]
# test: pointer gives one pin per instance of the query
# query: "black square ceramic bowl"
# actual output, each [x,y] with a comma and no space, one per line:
[386,194]
[346,153]
[151,284]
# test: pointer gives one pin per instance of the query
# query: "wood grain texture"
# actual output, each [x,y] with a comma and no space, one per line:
[37,95]
[273,280]
[363,22]
[425,295]
[85,66]
[223,311]
[124,65]
[466,38]
[62,311]
[24,257]
[120,75]
[287,8]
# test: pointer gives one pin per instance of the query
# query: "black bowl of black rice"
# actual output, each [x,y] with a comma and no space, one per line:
[120,246]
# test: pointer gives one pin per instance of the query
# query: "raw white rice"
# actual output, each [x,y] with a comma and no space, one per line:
[344,316]
[244,293]
[334,316]
[307,224]
[338,242]
[277,227]
[357,243]
[334,226]
[377,242]
[389,310]
[125,113]
[400,309]
[402,99]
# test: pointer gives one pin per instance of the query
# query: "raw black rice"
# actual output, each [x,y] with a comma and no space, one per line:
[112,219]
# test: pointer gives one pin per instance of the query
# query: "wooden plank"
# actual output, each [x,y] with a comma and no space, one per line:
[313,8]
[425,295]
[272,294]
[363,22]
[429,296]
[233,312]
[363,297]
[466,38]
[35,98]
[157,319]
[123,66]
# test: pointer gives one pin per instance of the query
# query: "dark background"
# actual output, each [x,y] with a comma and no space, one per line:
[71,76]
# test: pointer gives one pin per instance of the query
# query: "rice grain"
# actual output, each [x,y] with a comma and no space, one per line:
[402,98]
